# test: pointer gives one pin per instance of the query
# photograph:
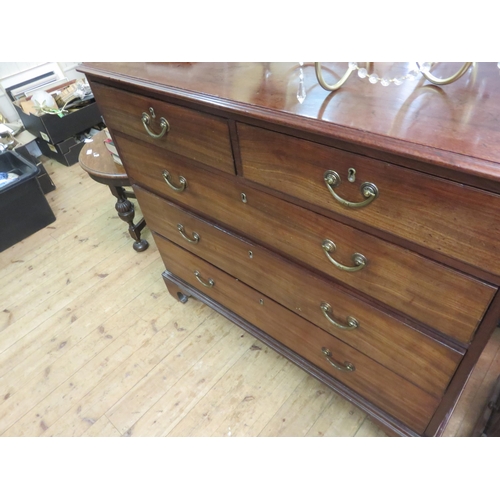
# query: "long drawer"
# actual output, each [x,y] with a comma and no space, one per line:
[198,136]
[444,216]
[438,296]
[392,393]
[404,350]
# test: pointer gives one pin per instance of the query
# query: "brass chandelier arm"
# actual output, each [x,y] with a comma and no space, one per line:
[425,72]
[444,81]
[327,86]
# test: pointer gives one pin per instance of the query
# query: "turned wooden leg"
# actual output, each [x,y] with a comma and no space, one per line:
[177,292]
[126,212]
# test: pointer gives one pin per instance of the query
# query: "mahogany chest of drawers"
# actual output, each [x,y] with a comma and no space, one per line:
[356,233]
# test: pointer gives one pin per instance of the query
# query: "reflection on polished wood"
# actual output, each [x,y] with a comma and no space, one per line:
[459,118]
[97,161]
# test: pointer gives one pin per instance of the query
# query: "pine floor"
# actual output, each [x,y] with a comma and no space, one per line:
[92,344]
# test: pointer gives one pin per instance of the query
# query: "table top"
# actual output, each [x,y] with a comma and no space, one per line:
[97,161]
[456,126]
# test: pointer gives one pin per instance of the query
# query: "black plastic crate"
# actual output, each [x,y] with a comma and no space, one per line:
[28,151]
[66,152]
[23,207]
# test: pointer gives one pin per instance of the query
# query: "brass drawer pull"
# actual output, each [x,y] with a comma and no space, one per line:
[146,120]
[368,190]
[352,323]
[182,181]
[210,282]
[358,259]
[345,367]
[196,237]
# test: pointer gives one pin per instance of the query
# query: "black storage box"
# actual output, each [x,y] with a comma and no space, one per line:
[43,177]
[23,207]
[66,152]
[55,129]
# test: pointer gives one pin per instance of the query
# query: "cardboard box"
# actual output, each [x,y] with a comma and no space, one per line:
[54,129]
[66,152]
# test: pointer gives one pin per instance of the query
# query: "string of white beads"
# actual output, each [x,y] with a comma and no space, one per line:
[374,78]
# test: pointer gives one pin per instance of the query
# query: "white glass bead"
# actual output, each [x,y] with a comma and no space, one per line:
[426,66]
[413,74]
[397,81]
[353,65]
[373,78]
[498,65]
[362,72]
[385,82]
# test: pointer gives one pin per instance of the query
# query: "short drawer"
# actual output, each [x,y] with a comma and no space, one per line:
[435,295]
[392,393]
[196,135]
[450,218]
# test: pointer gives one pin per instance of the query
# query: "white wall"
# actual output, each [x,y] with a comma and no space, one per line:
[16,72]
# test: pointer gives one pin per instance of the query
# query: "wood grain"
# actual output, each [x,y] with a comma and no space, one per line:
[429,292]
[196,135]
[447,217]
[387,390]
[101,166]
[406,351]
[451,128]
[254,388]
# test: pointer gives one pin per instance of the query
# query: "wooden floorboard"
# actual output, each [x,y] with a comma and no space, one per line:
[92,344]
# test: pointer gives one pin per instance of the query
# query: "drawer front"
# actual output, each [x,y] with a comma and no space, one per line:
[450,218]
[371,380]
[404,350]
[196,135]
[436,295]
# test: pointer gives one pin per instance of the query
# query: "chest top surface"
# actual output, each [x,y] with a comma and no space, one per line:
[456,126]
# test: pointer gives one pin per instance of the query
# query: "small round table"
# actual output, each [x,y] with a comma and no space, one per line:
[98,162]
